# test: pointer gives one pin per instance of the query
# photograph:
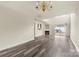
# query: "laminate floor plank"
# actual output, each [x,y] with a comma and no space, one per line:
[61,46]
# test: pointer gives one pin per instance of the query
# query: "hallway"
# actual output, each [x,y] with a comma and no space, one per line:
[60,47]
[29,31]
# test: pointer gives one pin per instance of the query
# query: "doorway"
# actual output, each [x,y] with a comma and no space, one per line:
[60,30]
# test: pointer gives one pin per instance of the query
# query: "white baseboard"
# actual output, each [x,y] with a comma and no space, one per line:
[77,49]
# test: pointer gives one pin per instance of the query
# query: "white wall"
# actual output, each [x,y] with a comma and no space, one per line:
[52,29]
[41,31]
[75,26]
[15,27]
[75,29]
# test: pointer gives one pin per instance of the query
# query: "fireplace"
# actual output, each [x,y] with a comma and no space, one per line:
[46,32]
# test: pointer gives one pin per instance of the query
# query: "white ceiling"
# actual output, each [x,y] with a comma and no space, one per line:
[28,8]
[62,19]
[60,8]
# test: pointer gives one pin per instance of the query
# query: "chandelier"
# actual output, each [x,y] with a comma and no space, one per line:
[43,5]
